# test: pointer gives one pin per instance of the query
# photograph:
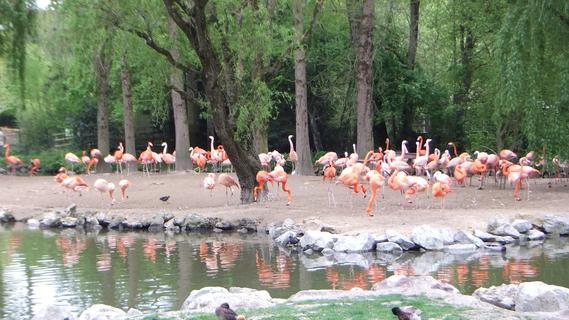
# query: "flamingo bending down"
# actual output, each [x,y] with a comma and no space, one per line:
[280,176]
[209,183]
[440,190]
[376,180]
[326,158]
[35,164]
[75,183]
[292,156]
[262,177]
[123,185]
[228,182]
[103,186]
[459,174]
[167,157]
[351,180]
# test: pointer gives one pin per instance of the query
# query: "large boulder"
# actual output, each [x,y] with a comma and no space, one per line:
[556,224]
[388,247]
[413,285]
[33,223]
[53,312]
[427,237]
[404,242]
[286,238]
[156,222]
[69,222]
[522,225]
[195,222]
[6,216]
[502,296]
[502,227]
[116,222]
[207,299]
[314,224]
[360,243]
[484,236]
[102,312]
[468,238]
[534,235]
[317,240]
[50,220]
[540,297]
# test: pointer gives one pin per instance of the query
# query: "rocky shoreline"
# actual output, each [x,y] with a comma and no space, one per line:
[530,300]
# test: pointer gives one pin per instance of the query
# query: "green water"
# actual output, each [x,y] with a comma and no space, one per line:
[156,272]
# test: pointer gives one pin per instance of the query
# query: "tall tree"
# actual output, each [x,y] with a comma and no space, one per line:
[361,16]
[102,64]
[413,32]
[128,113]
[220,91]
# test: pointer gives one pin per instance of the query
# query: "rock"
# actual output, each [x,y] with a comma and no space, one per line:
[33,223]
[104,220]
[537,296]
[195,222]
[314,224]
[133,223]
[521,225]
[460,248]
[502,296]
[178,221]
[249,224]
[413,285]
[217,230]
[276,232]
[286,238]
[360,243]
[243,230]
[404,242]
[134,312]
[169,225]
[484,236]
[308,252]
[556,224]
[50,220]
[224,225]
[91,221]
[53,312]
[156,222]
[71,210]
[69,222]
[501,227]
[101,312]
[494,246]
[380,238]
[388,247]
[427,237]
[316,240]
[6,216]
[466,237]
[167,216]
[207,299]
[288,223]
[327,252]
[534,235]
[116,222]
[505,240]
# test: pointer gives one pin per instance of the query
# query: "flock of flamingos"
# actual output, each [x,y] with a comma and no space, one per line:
[432,170]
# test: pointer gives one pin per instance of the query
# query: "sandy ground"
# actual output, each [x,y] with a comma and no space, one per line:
[466,207]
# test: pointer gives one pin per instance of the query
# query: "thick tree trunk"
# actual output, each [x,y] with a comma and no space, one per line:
[304,162]
[315,130]
[364,78]
[241,154]
[413,32]
[128,114]
[102,67]
[260,139]
[193,108]
[183,161]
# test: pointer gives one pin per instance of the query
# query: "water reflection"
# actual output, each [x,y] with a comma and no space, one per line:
[156,272]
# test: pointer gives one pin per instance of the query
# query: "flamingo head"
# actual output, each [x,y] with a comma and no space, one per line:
[62,169]
[428,141]
[164,144]
[404,141]
[211,137]
[290,136]
[150,144]
[191,149]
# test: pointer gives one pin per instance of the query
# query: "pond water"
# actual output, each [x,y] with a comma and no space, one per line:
[156,272]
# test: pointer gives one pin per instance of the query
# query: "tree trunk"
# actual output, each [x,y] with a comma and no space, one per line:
[128,114]
[413,33]
[304,162]
[193,108]
[316,137]
[102,67]
[217,92]
[183,161]
[364,78]
[260,139]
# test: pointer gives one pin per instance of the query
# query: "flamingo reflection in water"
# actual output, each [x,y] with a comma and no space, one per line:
[271,278]
[150,246]
[71,249]
[220,254]
[517,271]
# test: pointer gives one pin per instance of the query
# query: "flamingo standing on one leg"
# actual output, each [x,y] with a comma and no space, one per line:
[330,173]
[292,156]
[376,180]
[209,183]
[123,185]
[103,186]
[72,158]
[228,182]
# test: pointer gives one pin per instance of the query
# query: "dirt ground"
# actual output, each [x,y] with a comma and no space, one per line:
[465,207]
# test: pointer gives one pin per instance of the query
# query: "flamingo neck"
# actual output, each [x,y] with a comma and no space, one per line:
[291,145]
[454,147]
[211,147]
[387,144]
[420,139]
[165,148]
[7,151]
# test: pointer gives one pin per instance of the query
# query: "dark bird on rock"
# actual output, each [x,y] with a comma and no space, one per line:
[223,312]
[407,313]
[164,198]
